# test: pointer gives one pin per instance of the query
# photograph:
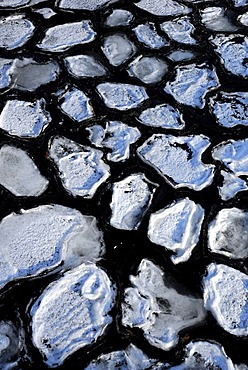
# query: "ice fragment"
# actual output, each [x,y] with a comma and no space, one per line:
[119,17]
[147,34]
[180,30]
[83,5]
[84,66]
[163,7]
[231,185]
[215,19]
[149,70]
[15,31]
[76,105]
[164,116]
[118,49]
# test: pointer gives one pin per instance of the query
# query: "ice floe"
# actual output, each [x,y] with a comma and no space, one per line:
[157,308]
[130,200]
[226,295]
[81,168]
[119,17]
[231,185]
[84,66]
[178,159]
[46,12]
[180,30]
[83,5]
[15,31]
[163,7]
[9,4]
[239,3]
[164,116]
[177,228]
[11,343]
[243,19]
[148,35]
[215,19]
[191,84]
[72,313]
[6,71]
[76,105]
[181,55]
[149,69]
[117,137]
[118,49]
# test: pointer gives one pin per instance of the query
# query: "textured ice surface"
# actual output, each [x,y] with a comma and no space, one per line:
[122,96]
[84,66]
[178,159]
[192,83]
[19,174]
[117,136]
[228,233]
[72,312]
[130,200]
[163,7]
[64,36]
[23,118]
[156,307]
[15,31]
[180,30]
[18,3]
[231,185]
[226,296]
[149,70]
[147,34]
[119,17]
[164,116]
[181,55]
[83,4]
[177,228]
[238,3]
[118,49]
[44,237]
[11,342]
[81,168]
[243,19]
[215,19]
[46,12]
[76,105]
[6,70]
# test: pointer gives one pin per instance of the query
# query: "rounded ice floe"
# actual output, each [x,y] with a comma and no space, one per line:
[231,185]
[148,35]
[6,72]
[215,19]
[164,116]
[192,83]
[11,343]
[84,66]
[72,313]
[83,5]
[41,238]
[177,228]
[15,31]
[163,7]
[64,36]
[149,70]
[119,17]
[178,159]
[157,308]
[181,55]
[81,168]
[130,200]
[226,296]
[118,49]
[243,19]
[180,30]
[122,96]
[76,105]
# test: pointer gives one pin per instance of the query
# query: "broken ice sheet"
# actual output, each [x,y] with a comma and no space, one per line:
[163,7]
[83,5]
[131,199]
[231,185]
[149,70]
[118,49]
[192,83]
[226,296]
[215,19]
[156,307]
[72,313]
[81,168]
[76,105]
[147,34]
[119,17]
[84,66]
[15,31]
[6,71]
[117,136]
[11,343]
[178,159]
[177,228]
[180,30]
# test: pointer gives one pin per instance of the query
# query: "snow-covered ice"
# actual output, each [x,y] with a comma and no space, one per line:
[149,70]
[118,49]
[163,7]
[148,35]
[15,31]
[84,66]
[231,185]
[180,30]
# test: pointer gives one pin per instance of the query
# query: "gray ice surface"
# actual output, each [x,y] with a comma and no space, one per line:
[149,70]
[180,30]
[76,105]
[215,19]
[11,345]
[119,17]
[82,66]
[163,7]
[148,35]
[118,49]
[15,31]
[181,55]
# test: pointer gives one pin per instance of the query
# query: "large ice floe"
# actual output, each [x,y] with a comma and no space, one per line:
[157,308]
[45,237]
[178,159]
[15,31]
[226,296]
[118,49]
[11,345]
[72,312]
[148,35]
[82,66]
[180,30]
[149,70]
[163,7]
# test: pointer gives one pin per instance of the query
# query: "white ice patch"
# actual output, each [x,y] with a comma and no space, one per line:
[46,12]
[243,19]
[83,5]
[148,35]
[15,31]
[119,17]
[163,7]
[231,185]
[180,30]
[76,105]
[149,70]
[215,19]
[118,49]
[81,66]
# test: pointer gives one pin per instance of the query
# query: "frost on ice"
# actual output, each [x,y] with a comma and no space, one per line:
[84,66]
[119,17]
[83,5]
[76,105]
[226,296]
[164,116]
[147,34]
[81,168]
[231,185]
[149,70]
[156,307]
[180,30]
[163,7]
[118,49]
[177,228]
[11,343]
[15,31]
[215,19]
[72,313]
[178,159]
[130,200]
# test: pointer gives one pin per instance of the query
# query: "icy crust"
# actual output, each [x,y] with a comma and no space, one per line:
[44,237]
[24,119]
[19,174]
[83,5]
[164,116]
[228,233]
[130,200]
[11,343]
[72,313]
[75,104]
[180,30]
[117,137]
[15,31]
[226,295]
[155,307]
[122,96]
[81,168]
[178,159]
[62,37]
[118,49]
[6,70]
[192,83]
[163,7]
[82,66]
[177,228]
[149,70]
[147,34]
[233,51]
[119,17]
[215,19]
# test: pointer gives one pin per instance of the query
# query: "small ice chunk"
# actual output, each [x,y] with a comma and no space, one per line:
[117,136]
[149,70]
[76,105]
[15,31]
[215,19]
[226,296]
[122,96]
[72,313]
[24,119]
[180,30]
[6,71]
[118,49]
[130,201]
[81,168]
[156,307]
[177,228]
[11,343]
[19,174]
[119,17]
[239,3]
[181,55]
[83,5]
[192,83]
[164,116]
[178,159]
[231,185]
[147,34]
[84,66]
[163,7]
[243,19]
[46,12]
